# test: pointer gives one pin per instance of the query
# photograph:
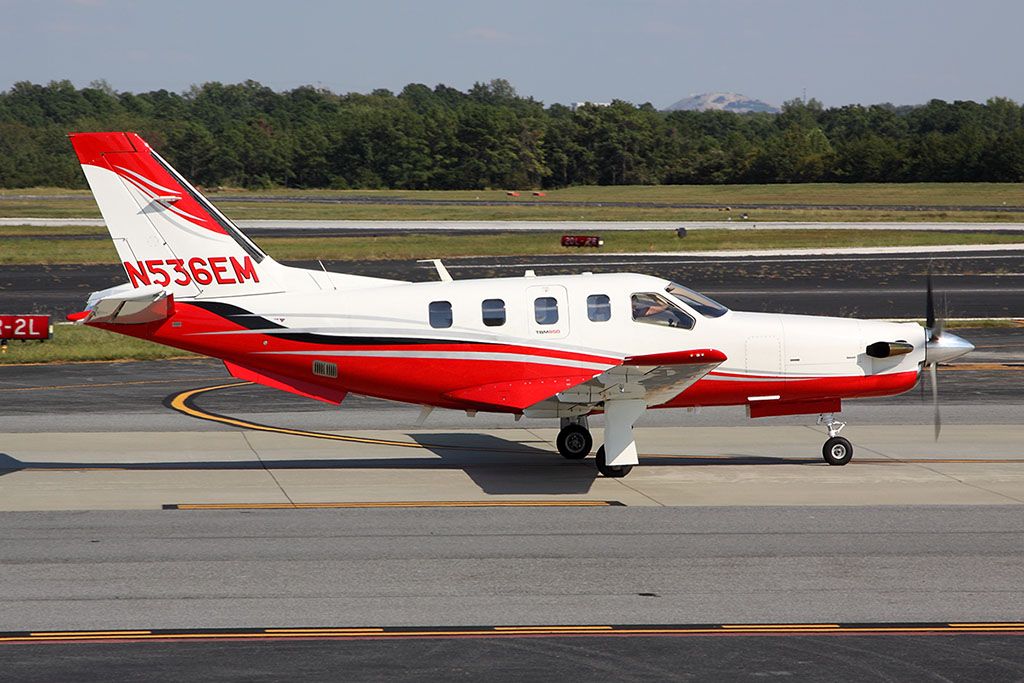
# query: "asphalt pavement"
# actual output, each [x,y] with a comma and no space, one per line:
[94,435]
[443,569]
[890,285]
[498,566]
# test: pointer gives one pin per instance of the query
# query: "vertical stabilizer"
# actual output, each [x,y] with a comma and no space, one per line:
[166,233]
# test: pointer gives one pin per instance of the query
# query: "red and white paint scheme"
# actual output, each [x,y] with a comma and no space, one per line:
[562,347]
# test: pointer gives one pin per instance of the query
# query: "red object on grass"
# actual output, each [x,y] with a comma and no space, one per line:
[582,241]
[23,327]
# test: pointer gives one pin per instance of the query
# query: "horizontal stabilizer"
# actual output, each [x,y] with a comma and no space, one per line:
[291,385]
[121,306]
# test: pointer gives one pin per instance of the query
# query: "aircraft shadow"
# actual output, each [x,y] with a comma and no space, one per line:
[498,466]
[502,467]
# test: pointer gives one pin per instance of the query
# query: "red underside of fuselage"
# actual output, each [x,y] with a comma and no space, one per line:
[713,390]
[433,381]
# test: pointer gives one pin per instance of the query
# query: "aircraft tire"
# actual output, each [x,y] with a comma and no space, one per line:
[837,451]
[574,442]
[611,472]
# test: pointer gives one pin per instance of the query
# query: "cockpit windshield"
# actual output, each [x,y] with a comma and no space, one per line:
[706,306]
[654,309]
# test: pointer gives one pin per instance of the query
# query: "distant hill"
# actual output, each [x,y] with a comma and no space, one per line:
[724,101]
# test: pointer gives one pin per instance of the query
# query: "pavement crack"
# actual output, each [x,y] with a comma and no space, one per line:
[640,493]
[967,483]
[245,437]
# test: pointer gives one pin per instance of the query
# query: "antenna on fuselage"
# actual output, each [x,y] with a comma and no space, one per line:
[442,272]
[324,268]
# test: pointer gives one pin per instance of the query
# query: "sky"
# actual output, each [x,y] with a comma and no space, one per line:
[657,51]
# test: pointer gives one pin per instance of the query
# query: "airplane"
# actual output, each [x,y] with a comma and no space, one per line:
[561,347]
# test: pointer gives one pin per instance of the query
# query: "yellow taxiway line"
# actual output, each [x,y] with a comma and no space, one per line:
[183,403]
[543,630]
[397,504]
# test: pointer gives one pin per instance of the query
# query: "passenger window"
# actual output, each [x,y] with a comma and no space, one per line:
[654,309]
[599,308]
[545,310]
[440,314]
[493,311]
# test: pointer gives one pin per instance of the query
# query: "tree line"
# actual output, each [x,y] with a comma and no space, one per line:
[248,135]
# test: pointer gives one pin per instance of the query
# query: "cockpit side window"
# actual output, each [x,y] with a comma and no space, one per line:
[705,305]
[654,309]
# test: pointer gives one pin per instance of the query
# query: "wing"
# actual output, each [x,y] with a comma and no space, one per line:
[666,375]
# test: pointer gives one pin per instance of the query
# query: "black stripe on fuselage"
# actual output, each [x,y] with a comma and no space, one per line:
[251,321]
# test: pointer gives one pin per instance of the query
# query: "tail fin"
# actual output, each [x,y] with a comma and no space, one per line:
[165,231]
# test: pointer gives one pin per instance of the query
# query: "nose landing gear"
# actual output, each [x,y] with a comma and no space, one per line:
[837,450]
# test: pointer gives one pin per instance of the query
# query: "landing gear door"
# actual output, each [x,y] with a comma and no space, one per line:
[547,310]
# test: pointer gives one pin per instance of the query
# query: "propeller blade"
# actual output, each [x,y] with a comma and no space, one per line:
[933,372]
[929,303]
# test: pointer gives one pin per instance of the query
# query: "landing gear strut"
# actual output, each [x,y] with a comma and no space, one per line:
[574,441]
[837,450]
[617,456]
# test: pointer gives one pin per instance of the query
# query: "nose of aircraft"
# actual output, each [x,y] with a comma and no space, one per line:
[946,347]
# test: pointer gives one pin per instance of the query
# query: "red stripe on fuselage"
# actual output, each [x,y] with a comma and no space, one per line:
[736,391]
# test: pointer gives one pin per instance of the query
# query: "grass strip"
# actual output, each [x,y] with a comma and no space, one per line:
[28,250]
[893,194]
[72,343]
[517,212]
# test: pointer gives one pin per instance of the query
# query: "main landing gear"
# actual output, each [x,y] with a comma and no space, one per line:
[574,441]
[617,456]
[611,471]
[837,450]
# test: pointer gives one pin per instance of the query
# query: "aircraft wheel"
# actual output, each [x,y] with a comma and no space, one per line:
[574,442]
[613,472]
[837,451]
